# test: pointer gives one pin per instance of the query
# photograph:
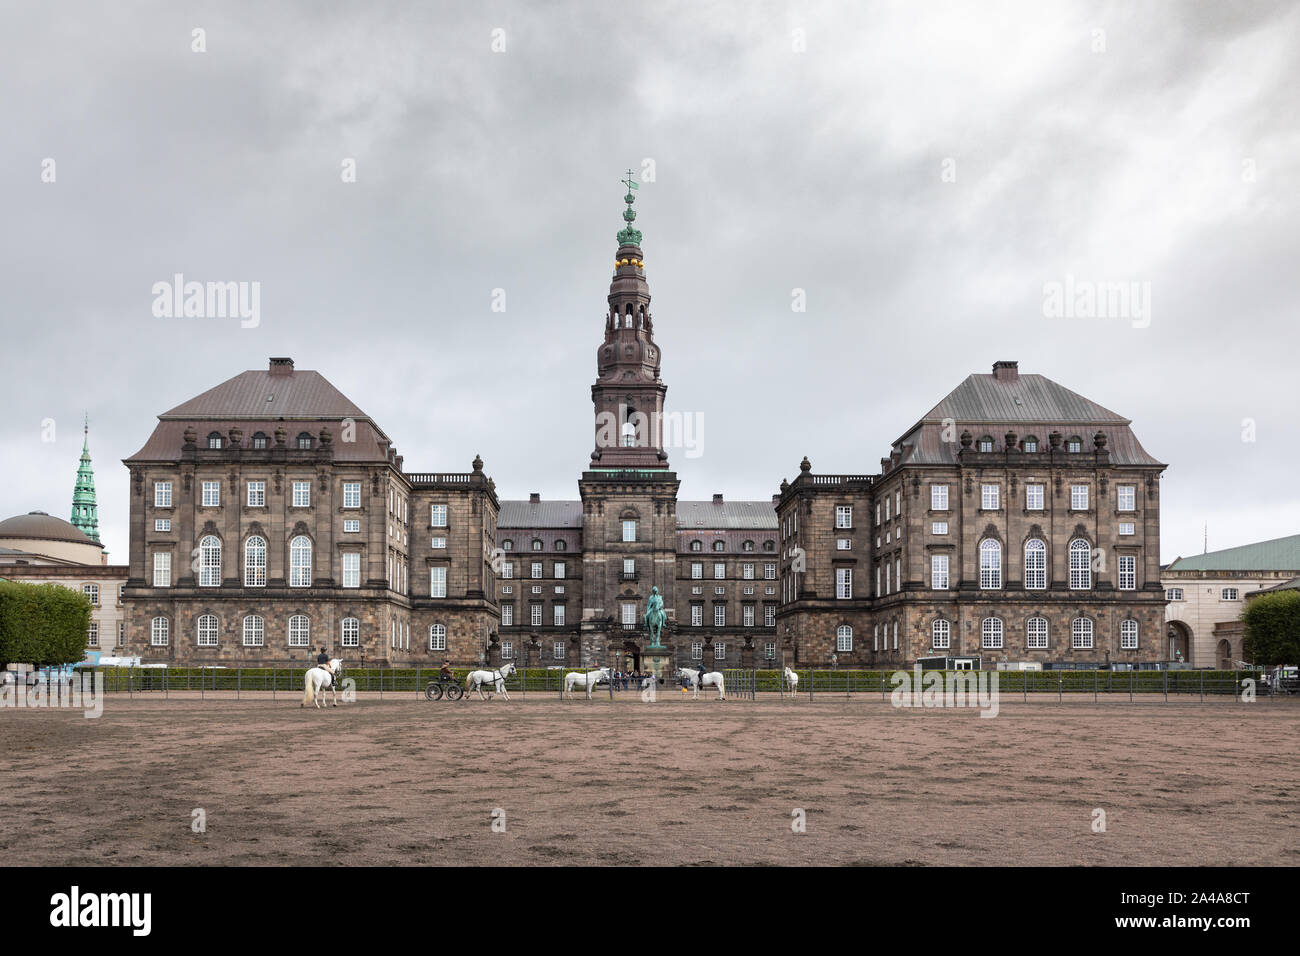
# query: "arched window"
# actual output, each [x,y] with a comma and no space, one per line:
[507,545]
[1080,565]
[214,439]
[537,544]
[719,546]
[1128,635]
[209,561]
[1030,444]
[990,564]
[1081,634]
[255,562]
[769,545]
[941,634]
[991,633]
[437,637]
[697,546]
[300,562]
[1074,444]
[844,638]
[260,440]
[254,631]
[1036,634]
[350,632]
[207,630]
[304,439]
[299,631]
[1035,565]
[748,546]
[160,632]
[561,546]
[986,443]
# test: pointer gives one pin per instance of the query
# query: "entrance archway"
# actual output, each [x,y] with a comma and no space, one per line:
[1225,656]
[1178,642]
[630,659]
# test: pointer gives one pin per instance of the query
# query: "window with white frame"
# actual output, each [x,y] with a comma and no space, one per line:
[1173,594]
[629,613]
[162,524]
[991,633]
[697,651]
[162,494]
[697,615]
[1080,565]
[438,516]
[1034,497]
[843,638]
[508,569]
[989,497]
[844,516]
[207,631]
[939,572]
[769,615]
[351,494]
[1074,446]
[350,632]
[255,562]
[437,637]
[769,650]
[256,494]
[91,591]
[1229,594]
[629,530]
[938,527]
[875,638]
[895,635]
[302,494]
[211,494]
[299,631]
[557,650]
[300,562]
[535,615]
[1030,445]
[769,572]
[990,564]
[1078,497]
[719,570]
[1035,565]
[1126,498]
[697,570]
[843,544]
[938,497]
[1036,634]
[1127,572]
[438,582]
[1126,528]
[535,570]
[92,634]
[162,569]
[254,631]
[843,583]
[747,615]
[559,570]
[351,569]
[941,635]
[557,615]
[719,652]
[507,650]
[507,615]
[159,632]
[438,544]
[747,572]
[1081,634]
[209,561]
[1128,635]
[719,615]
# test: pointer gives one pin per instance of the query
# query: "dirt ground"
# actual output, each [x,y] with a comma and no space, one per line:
[406,781]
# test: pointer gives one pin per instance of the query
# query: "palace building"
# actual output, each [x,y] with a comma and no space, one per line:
[270,515]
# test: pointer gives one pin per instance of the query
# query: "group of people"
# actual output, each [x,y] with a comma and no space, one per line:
[628,680]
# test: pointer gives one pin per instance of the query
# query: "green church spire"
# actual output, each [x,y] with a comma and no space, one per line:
[629,236]
[85,513]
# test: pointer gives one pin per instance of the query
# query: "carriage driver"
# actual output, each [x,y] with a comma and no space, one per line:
[445,672]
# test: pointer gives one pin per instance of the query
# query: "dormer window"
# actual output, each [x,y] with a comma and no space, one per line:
[718,546]
[507,545]
[697,546]
[304,440]
[561,546]
[748,546]
[260,440]
[769,545]
[1031,444]
[1074,445]
[986,444]
[214,440]
[537,544]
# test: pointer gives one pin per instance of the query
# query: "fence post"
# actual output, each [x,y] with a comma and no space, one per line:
[1202,687]
[1094,687]
[239,681]
[1166,685]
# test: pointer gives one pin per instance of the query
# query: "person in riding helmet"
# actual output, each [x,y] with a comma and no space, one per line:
[445,672]
[323,659]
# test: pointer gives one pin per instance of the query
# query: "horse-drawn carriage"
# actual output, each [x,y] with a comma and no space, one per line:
[440,688]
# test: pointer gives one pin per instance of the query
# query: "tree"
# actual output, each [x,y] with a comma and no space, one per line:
[1273,628]
[42,624]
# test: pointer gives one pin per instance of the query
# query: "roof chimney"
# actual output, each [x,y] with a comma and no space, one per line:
[535,497]
[717,499]
[1006,371]
[281,366]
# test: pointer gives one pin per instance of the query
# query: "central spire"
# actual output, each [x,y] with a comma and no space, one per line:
[85,512]
[628,236]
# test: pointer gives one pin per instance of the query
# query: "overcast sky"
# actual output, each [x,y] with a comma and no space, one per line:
[920,170]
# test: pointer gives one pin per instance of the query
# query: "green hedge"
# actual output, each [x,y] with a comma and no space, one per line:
[42,624]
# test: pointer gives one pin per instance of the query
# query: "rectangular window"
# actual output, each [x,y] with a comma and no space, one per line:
[507,615]
[1034,497]
[507,650]
[1174,594]
[535,570]
[1078,497]
[211,494]
[1229,594]
[437,582]
[162,494]
[162,524]
[160,631]
[747,572]
[1126,527]
[351,494]
[162,569]
[557,650]
[1128,635]
[769,572]
[697,651]
[697,615]
[1127,572]
[535,615]
[302,494]
[351,569]
[438,544]
[257,494]
[629,614]
[769,615]
[843,583]
[989,497]
[508,569]
[438,516]
[719,615]
[1036,634]
[557,615]
[939,572]
[697,570]
[843,544]
[747,615]
[843,516]
[92,635]
[719,570]
[629,530]
[938,497]
[769,650]
[1127,501]
[629,567]
[938,527]
[719,652]
[350,632]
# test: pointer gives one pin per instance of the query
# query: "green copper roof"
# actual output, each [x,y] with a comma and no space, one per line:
[629,236]
[1280,554]
[85,513]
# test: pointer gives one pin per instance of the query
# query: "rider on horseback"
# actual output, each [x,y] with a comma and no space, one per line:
[323,659]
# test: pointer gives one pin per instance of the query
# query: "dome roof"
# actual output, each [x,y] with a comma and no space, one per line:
[38,524]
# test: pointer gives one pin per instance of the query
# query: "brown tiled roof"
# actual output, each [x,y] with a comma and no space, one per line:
[263,395]
[168,437]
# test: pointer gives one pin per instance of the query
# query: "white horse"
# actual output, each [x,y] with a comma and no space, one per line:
[496,678]
[791,681]
[319,679]
[586,681]
[701,678]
